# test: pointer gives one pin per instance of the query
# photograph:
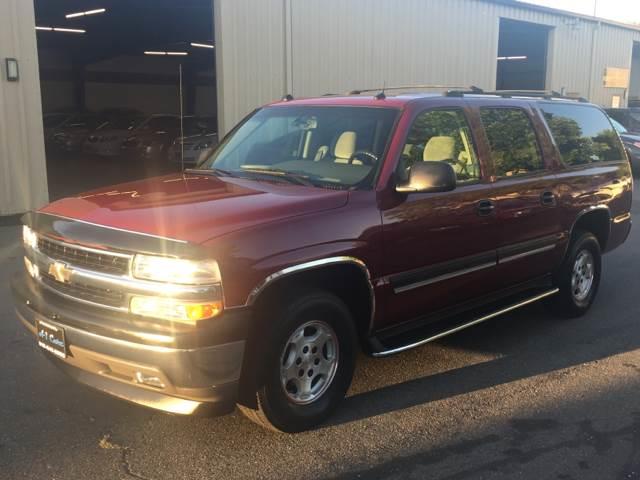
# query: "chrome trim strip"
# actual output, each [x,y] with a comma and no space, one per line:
[622,218]
[159,237]
[497,313]
[315,264]
[526,254]
[86,249]
[441,278]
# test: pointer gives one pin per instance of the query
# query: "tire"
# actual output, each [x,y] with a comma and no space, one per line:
[290,397]
[579,276]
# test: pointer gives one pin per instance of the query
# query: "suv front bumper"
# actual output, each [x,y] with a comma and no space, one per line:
[193,379]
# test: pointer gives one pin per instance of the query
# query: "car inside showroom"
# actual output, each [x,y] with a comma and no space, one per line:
[110,80]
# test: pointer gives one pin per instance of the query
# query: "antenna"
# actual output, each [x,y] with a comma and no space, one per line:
[381,95]
[181,123]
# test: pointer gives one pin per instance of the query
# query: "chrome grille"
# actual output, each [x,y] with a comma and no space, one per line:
[88,259]
[89,293]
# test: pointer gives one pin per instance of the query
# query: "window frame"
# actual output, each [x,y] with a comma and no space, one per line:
[472,138]
[563,164]
[528,114]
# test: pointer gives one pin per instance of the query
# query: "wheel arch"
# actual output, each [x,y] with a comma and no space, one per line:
[332,274]
[597,220]
[346,277]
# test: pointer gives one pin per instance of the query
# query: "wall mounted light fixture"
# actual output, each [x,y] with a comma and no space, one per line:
[13,72]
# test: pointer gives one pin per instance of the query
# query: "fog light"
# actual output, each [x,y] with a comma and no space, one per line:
[175,310]
[149,380]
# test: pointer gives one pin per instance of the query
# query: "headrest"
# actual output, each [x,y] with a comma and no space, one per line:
[346,145]
[439,149]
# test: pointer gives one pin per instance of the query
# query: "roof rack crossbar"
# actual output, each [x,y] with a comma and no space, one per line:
[409,87]
[548,94]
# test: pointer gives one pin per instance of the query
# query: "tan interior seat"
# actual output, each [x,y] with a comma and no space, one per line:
[345,148]
[439,149]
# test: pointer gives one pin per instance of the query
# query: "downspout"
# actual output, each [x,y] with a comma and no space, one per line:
[592,63]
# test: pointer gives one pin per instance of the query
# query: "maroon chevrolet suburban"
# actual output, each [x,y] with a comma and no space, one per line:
[319,227]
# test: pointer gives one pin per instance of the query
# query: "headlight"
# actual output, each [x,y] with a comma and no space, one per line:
[175,310]
[29,237]
[203,146]
[175,270]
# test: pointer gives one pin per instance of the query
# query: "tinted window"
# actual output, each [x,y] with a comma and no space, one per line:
[583,134]
[441,135]
[514,147]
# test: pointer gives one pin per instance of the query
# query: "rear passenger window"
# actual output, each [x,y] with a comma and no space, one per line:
[513,142]
[441,136]
[583,134]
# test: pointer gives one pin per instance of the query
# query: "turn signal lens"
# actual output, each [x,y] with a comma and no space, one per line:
[174,310]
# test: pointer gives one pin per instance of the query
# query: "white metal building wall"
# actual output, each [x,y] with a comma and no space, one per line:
[23,176]
[266,48]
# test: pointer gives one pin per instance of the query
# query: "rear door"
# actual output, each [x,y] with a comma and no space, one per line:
[525,191]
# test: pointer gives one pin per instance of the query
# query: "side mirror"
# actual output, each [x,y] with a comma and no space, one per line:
[429,177]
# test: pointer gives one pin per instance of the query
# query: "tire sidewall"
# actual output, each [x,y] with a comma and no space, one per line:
[282,413]
[585,241]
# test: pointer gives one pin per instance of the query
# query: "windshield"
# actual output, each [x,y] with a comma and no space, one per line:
[122,123]
[325,146]
[198,125]
[618,126]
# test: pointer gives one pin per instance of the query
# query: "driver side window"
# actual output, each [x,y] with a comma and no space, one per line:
[441,136]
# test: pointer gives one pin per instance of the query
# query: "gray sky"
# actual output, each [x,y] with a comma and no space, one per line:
[627,11]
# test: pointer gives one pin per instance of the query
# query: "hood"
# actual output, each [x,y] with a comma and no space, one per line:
[195,208]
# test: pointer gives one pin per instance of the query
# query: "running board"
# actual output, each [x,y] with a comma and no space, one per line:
[463,326]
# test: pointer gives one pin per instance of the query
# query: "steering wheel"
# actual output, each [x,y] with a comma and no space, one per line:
[366,157]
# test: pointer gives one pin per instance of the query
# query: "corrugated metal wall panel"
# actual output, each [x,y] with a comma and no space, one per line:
[338,45]
[23,173]
[250,56]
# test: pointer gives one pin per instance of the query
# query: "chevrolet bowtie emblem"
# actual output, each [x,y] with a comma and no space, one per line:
[60,272]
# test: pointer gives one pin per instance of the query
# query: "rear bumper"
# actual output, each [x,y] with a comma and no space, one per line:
[185,380]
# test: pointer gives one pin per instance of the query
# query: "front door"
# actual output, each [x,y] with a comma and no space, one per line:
[440,249]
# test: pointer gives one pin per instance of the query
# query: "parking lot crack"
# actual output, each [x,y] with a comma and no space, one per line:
[107,443]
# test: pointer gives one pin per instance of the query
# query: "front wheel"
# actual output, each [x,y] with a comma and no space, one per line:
[579,277]
[308,365]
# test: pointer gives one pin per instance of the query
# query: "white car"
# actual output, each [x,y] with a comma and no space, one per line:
[108,138]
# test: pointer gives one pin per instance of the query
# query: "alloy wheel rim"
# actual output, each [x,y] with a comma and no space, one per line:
[309,362]
[583,275]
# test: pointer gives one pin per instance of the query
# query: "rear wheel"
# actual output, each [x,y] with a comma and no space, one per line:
[579,277]
[308,364]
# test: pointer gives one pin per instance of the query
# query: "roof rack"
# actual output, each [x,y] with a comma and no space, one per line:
[547,94]
[415,87]
[456,91]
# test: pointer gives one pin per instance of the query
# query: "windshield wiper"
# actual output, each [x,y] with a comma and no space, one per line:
[211,171]
[299,178]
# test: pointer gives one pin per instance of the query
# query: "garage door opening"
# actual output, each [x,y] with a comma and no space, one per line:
[634,88]
[110,88]
[522,56]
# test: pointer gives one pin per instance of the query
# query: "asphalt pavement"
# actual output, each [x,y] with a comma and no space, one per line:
[525,396]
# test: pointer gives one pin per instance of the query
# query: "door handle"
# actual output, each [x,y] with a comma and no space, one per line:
[485,208]
[548,199]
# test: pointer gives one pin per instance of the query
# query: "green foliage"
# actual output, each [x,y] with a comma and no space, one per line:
[513,141]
